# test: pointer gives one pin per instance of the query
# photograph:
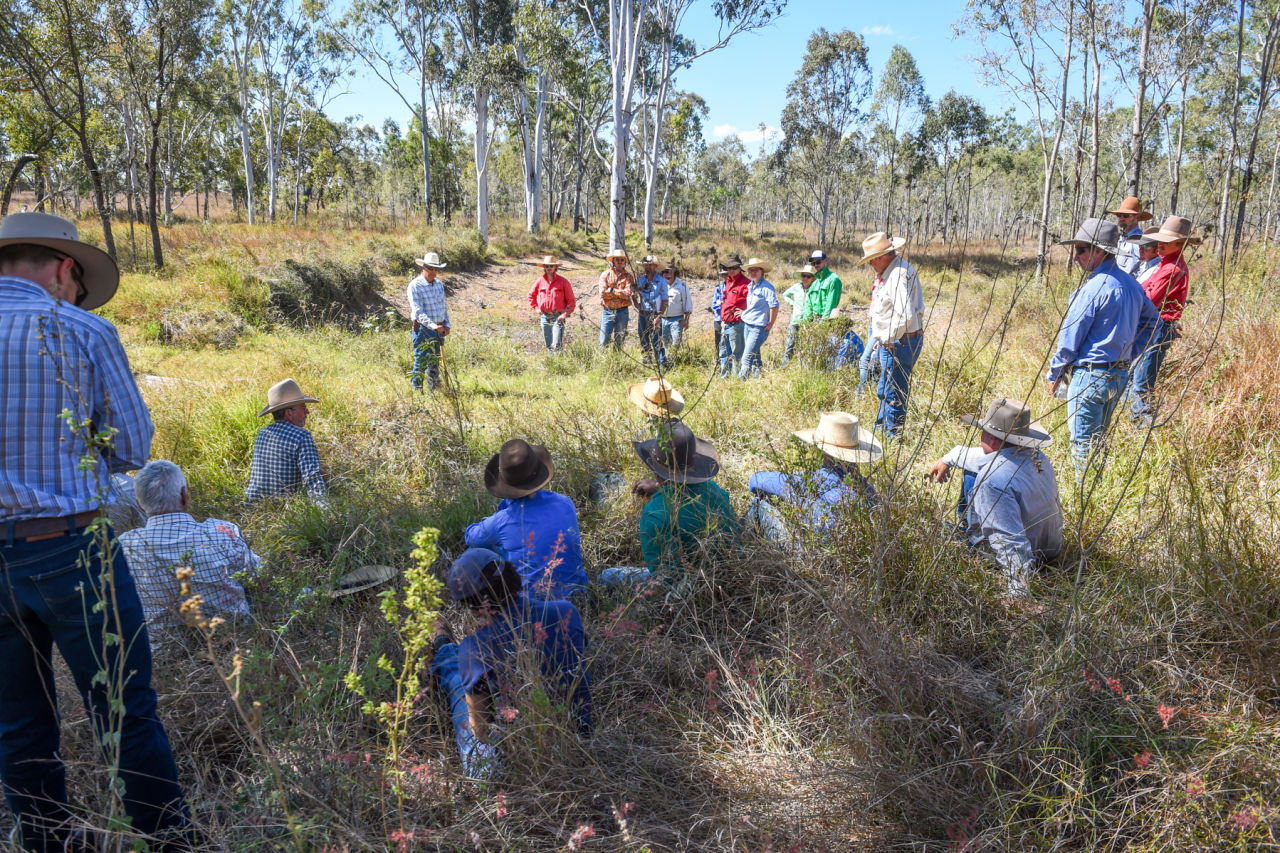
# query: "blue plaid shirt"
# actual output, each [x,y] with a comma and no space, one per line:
[652,293]
[426,302]
[57,358]
[285,459]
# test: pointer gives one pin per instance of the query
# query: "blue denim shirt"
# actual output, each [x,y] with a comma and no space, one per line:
[821,493]
[761,299]
[1108,319]
[717,299]
[652,293]
[1014,508]
[532,532]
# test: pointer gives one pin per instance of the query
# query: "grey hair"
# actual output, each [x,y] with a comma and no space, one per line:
[159,486]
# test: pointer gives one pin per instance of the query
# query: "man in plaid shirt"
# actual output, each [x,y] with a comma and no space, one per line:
[430,318]
[284,453]
[213,549]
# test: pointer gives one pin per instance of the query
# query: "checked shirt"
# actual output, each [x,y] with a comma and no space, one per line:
[284,460]
[426,302]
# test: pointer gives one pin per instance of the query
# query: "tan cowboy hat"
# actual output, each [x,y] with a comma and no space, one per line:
[1010,421]
[430,259]
[1143,240]
[1174,228]
[519,469]
[284,394]
[807,269]
[839,434]
[361,579]
[616,253]
[548,261]
[100,277]
[1131,205]
[757,263]
[679,456]
[656,397]
[879,244]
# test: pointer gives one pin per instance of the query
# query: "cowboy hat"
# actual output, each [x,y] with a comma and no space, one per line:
[757,263]
[1144,239]
[879,244]
[1010,421]
[1175,228]
[362,578]
[430,259]
[101,275]
[839,434]
[807,269]
[548,261]
[656,397]
[1132,206]
[678,455]
[616,253]
[669,265]
[284,394]
[519,469]
[734,261]
[649,259]
[1096,233]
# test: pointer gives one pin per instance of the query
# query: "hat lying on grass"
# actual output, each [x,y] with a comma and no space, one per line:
[361,579]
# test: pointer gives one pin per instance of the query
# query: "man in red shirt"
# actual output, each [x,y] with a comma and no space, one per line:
[552,297]
[732,334]
[616,299]
[1166,287]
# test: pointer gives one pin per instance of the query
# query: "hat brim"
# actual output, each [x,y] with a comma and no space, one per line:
[635,393]
[868,449]
[361,579]
[1166,237]
[500,488]
[101,275]
[1110,250]
[286,404]
[1143,216]
[1035,436]
[894,245]
[422,262]
[706,462]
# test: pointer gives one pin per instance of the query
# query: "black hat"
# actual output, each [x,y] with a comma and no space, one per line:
[678,455]
[518,469]
[730,263]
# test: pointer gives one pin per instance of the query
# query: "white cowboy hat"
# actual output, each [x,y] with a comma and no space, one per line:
[839,434]
[362,578]
[284,394]
[100,276]
[656,397]
[757,263]
[1010,421]
[879,244]
[430,259]
[807,269]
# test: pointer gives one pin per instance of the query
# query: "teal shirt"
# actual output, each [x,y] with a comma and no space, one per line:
[679,521]
[798,298]
[824,294]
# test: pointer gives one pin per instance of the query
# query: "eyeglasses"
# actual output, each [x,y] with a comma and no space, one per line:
[805,275]
[77,273]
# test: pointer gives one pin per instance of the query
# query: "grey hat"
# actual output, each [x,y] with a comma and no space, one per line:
[1096,233]
[101,275]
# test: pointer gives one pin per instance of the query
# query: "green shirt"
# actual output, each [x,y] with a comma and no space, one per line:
[798,298]
[824,294]
[670,540]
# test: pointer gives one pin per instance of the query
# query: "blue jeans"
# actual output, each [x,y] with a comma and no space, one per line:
[897,360]
[1147,369]
[426,355]
[651,336]
[866,360]
[754,338]
[477,758]
[49,592]
[672,332]
[613,326]
[789,348]
[966,493]
[1092,398]
[732,341]
[716,326]
[553,331]
[625,576]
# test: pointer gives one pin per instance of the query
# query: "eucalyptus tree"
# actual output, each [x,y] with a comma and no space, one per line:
[29,133]
[901,97]
[952,129]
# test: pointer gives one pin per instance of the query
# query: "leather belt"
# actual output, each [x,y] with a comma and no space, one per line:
[917,333]
[36,529]
[1103,365]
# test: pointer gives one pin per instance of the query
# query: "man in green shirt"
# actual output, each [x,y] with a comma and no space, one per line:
[824,295]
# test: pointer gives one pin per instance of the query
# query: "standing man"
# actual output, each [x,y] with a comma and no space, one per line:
[430,320]
[74,416]
[897,326]
[285,458]
[552,298]
[824,295]
[1166,287]
[797,296]
[732,303]
[615,299]
[758,316]
[651,299]
[675,319]
[1128,215]
[1108,318]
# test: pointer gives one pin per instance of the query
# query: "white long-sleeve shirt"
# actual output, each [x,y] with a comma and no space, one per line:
[1014,510]
[897,308]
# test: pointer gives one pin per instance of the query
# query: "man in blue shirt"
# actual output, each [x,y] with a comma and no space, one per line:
[430,317]
[1109,318]
[483,675]
[534,527]
[284,453]
[651,299]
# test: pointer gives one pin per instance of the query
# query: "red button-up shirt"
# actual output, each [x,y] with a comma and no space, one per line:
[1167,288]
[735,297]
[552,297]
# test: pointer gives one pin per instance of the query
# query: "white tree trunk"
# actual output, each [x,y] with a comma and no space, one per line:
[481,93]
[626,26]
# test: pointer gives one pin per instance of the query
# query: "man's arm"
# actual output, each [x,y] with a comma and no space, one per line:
[118,404]
[533,294]
[570,302]
[309,468]
[484,534]
[1075,330]
[772,483]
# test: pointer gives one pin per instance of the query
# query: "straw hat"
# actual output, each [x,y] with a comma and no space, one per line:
[519,469]
[549,261]
[656,397]
[362,578]
[807,269]
[1010,421]
[284,394]
[1097,233]
[757,263]
[679,455]
[616,253]
[430,259]
[879,244]
[649,259]
[1173,229]
[101,275]
[839,434]
[1133,206]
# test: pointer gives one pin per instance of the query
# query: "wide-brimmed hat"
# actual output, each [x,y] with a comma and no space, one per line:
[101,275]
[879,244]
[1097,233]
[616,253]
[1132,205]
[362,578]
[656,397]
[807,269]
[839,434]
[669,265]
[1173,229]
[518,469]
[649,259]
[284,394]
[757,263]
[430,259]
[1010,421]
[731,262]
[1143,240]
[548,261]
[678,455]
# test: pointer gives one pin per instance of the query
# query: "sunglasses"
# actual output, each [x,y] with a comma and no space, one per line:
[77,273]
[1081,250]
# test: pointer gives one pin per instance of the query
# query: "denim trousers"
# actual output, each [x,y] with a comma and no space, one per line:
[732,340]
[426,355]
[651,336]
[477,758]
[896,363]
[966,493]
[672,332]
[552,331]
[754,338]
[1147,369]
[613,326]
[716,325]
[52,592]
[789,348]
[1092,398]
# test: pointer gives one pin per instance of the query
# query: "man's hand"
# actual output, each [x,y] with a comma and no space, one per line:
[443,330]
[416,325]
[657,321]
[1053,387]
[684,322]
[646,488]
[939,472]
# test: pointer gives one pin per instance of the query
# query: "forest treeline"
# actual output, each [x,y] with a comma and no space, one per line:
[571,111]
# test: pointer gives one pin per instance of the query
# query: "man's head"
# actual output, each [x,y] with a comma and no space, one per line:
[807,274]
[482,580]
[1129,214]
[286,402]
[161,488]
[1172,236]
[818,259]
[879,250]
[617,259]
[1094,242]
[46,250]
[990,443]
[296,415]
[650,265]
[430,265]
[668,271]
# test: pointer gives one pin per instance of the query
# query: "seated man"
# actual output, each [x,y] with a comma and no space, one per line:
[481,673]
[214,550]
[284,453]
[820,496]
[534,527]
[686,513]
[1010,497]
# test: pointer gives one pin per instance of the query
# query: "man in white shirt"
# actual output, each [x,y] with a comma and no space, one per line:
[679,308]
[897,326]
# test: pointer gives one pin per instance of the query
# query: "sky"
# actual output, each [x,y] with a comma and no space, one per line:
[744,84]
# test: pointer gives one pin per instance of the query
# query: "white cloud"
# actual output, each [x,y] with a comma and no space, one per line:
[878,30]
[747,137]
